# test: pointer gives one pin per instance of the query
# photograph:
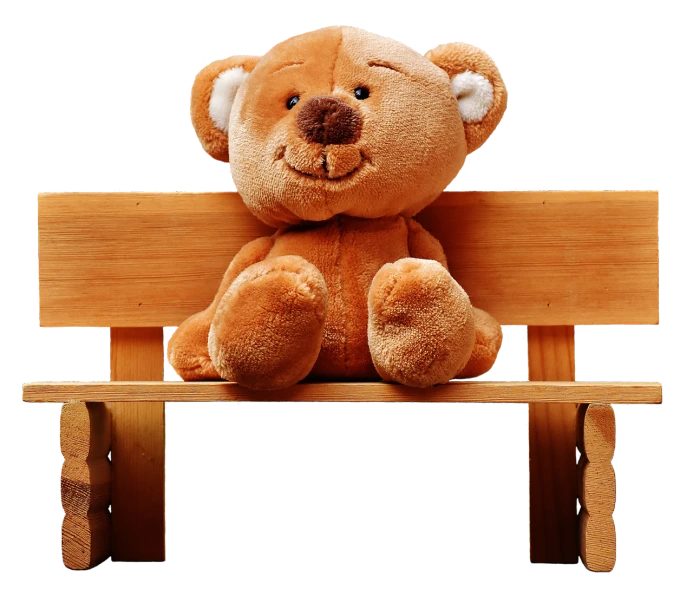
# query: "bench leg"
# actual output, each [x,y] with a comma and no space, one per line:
[85,484]
[137,455]
[552,474]
[597,486]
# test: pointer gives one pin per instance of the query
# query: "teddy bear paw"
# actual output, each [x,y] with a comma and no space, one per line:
[267,331]
[420,323]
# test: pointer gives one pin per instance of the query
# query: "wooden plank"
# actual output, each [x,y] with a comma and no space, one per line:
[597,486]
[138,448]
[552,439]
[85,484]
[529,258]
[553,258]
[144,260]
[457,391]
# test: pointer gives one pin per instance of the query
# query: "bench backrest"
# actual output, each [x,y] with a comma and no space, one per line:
[529,258]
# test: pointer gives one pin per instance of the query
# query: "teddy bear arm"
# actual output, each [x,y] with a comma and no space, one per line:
[423,245]
[252,252]
[187,349]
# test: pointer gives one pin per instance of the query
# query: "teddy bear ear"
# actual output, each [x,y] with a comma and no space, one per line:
[213,93]
[478,87]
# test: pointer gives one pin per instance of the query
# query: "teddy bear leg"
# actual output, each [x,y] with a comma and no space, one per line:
[489,337]
[420,323]
[267,330]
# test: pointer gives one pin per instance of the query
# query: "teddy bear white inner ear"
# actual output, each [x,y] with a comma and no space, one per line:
[474,95]
[223,93]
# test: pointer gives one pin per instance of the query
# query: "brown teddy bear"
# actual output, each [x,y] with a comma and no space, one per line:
[337,138]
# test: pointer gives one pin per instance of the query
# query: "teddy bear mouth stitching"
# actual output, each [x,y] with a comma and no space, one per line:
[365,161]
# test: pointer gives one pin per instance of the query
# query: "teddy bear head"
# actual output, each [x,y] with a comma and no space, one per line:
[341,121]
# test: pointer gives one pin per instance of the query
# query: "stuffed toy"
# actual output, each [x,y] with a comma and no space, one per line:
[337,138]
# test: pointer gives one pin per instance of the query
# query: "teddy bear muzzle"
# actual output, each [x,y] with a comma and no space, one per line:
[326,146]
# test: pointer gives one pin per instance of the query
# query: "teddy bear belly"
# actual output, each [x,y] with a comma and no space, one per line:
[348,252]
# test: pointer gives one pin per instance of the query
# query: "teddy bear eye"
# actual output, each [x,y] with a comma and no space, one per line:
[291,103]
[361,93]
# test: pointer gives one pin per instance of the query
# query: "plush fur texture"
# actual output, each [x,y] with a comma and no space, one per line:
[223,92]
[474,95]
[350,287]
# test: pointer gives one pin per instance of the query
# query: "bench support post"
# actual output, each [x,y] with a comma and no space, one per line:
[552,440]
[137,452]
[597,486]
[85,484]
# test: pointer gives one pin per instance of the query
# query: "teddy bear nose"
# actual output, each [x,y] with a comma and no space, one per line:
[328,120]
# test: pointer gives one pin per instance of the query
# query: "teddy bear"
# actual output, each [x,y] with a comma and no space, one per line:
[337,138]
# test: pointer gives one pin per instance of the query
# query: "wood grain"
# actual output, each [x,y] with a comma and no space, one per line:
[138,448]
[85,484]
[597,486]
[454,392]
[529,258]
[552,439]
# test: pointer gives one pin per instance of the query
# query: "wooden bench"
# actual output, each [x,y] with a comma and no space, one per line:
[137,262]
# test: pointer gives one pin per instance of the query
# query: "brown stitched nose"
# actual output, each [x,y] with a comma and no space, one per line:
[328,120]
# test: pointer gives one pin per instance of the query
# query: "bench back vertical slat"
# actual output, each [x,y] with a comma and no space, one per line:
[137,449]
[553,531]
